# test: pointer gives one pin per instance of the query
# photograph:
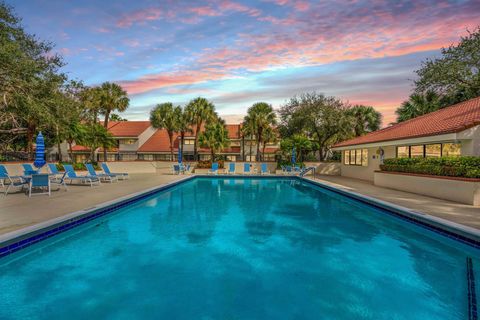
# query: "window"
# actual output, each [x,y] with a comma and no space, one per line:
[127,141]
[451,149]
[358,157]
[189,141]
[128,156]
[250,158]
[403,152]
[433,150]
[231,158]
[429,150]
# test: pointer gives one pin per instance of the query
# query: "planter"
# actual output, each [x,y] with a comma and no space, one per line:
[463,190]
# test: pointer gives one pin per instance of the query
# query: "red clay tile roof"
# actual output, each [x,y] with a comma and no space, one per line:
[451,119]
[127,128]
[159,142]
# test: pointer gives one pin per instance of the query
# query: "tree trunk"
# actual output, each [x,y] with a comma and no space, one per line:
[182,140]
[70,151]
[30,133]
[105,124]
[170,138]
[250,148]
[58,144]
[259,140]
[243,148]
[195,143]
[264,146]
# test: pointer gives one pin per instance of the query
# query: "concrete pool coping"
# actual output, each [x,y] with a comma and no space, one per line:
[19,239]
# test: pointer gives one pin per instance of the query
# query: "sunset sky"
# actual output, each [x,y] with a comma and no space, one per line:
[238,52]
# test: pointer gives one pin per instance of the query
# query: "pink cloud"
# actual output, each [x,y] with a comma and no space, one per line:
[140,16]
[204,11]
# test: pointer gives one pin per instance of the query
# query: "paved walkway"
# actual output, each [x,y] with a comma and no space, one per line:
[18,211]
[453,211]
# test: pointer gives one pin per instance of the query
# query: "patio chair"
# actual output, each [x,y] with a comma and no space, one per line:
[59,181]
[288,170]
[284,170]
[118,175]
[231,168]
[264,169]
[28,169]
[246,168]
[39,181]
[176,169]
[104,176]
[13,181]
[187,168]
[214,169]
[72,176]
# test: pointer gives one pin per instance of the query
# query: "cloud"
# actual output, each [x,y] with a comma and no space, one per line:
[140,16]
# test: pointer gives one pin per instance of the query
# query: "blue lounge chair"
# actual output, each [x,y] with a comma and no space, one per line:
[246,168]
[93,173]
[176,169]
[7,181]
[72,176]
[118,175]
[28,169]
[214,169]
[187,168]
[39,181]
[288,170]
[264,169]
[56,177]
[231,168]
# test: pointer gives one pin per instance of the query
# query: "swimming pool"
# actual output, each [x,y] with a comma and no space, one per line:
[234,248]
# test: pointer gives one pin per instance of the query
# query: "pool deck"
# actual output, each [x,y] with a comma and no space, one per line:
[18,211]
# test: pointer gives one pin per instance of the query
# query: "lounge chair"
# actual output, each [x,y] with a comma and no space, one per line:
[264,169]
[288,170]
[284,170]
[246,168]
[13,181]
[214,169]
[101,176]
[118,175]
[176,169]
[28,169]
[186,168]
[72,176]
[39,181]
[231,168]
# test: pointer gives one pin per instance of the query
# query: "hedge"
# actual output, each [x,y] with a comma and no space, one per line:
[76,166]
[466,166]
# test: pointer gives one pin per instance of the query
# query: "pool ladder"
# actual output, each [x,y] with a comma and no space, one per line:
[306,170]
[472,295]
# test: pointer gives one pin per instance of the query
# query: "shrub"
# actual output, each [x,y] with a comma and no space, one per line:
[76,166]
[467,166]
[207,164]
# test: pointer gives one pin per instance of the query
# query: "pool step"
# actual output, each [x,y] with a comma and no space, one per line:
[472,296]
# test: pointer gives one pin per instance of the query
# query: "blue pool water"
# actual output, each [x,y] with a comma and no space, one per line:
[215,248]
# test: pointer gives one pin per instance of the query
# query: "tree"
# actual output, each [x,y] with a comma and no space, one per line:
[75,132]
[269,136]
[455,75]
[112,98]
[215,137]
[365,118]
[96,136]
[183,125]
[298,141]
[418,104]
[116,117]
[261,116]
[248,131]
[320,118]
[200,111]
[163,116]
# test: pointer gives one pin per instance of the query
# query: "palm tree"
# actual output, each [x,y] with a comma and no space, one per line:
[365,119]
[262,116]
[418,104]
[112,98]
[163,116]
[96,136]
[269,136]
[74,132]
[200,111]
[215,137]
[248,131]
[183,125]
[300,142]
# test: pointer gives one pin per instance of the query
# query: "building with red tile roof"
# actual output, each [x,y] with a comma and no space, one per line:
[451,131]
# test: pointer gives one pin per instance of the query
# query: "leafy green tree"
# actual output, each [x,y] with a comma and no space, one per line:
[163,116]
[116,117]
[261,116]
[322,119]
[112,98]
[248,131]
[418,104]
[215,137]
[75,132]
[365,119]
[200,112]
[96,136]
[298,141]
[455,75]
[270,135]
[183,125]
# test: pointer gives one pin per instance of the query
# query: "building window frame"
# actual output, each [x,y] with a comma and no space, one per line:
[354,155]
[424,154]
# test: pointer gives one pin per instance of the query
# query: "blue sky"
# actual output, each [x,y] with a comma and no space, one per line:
[236,53]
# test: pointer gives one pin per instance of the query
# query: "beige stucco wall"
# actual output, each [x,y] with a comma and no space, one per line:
[470,140]
[453,190]
[325,168]
[367,172]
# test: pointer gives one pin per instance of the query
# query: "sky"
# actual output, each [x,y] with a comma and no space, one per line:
[236,53]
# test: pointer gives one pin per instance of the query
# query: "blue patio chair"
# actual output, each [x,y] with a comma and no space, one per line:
[246,168]
[57,177]
[101,176]
[176,169]
[28,169]
[39,181]
[288,170]
[118,175]
[187,168]
[214,169]
[284,170]
[231,168]
[72,176]
[7,181]
[264,169]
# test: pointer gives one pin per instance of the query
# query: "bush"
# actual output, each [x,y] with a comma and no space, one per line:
[289,163]
[207,164]
[467,166]
[76,166]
